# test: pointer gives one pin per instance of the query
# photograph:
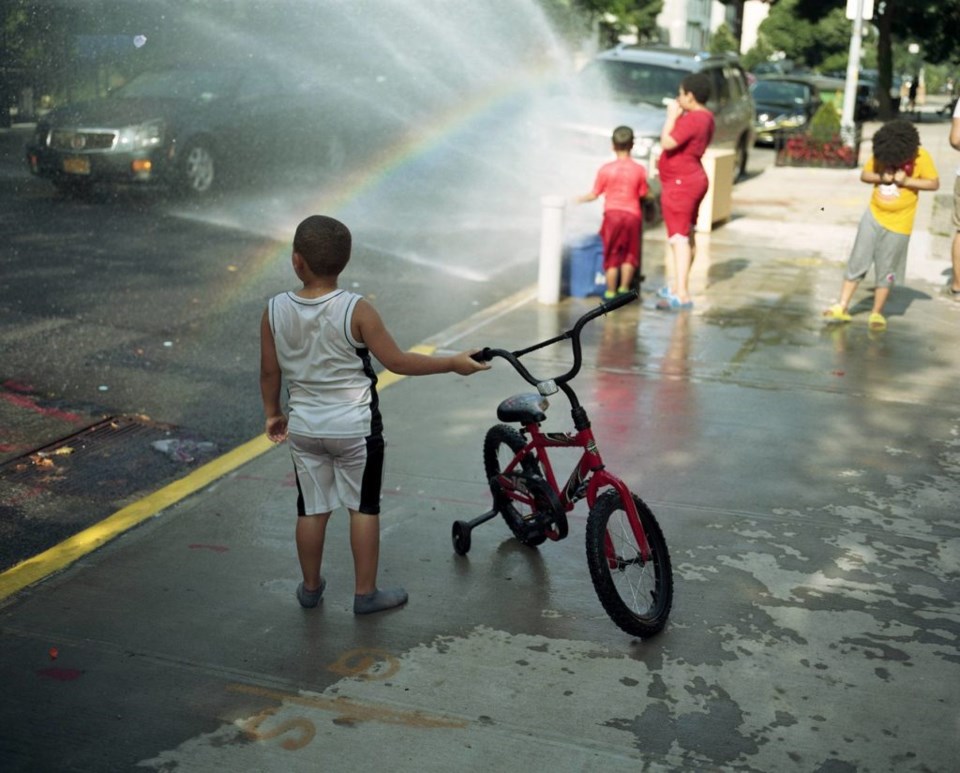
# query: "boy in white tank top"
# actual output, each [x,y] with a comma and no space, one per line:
[319,340]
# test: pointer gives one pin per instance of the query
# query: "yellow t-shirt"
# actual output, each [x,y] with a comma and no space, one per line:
[895,207]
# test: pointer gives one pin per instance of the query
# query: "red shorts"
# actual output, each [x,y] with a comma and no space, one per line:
[620,234]
[680,199]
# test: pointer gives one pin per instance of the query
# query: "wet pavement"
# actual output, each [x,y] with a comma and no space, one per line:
[806,479]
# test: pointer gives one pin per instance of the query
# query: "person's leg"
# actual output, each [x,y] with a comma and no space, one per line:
[891,265]
[955,257]
[611,274]
[955,249]
[365,542]
[311,531]
[632,249]
[365,545]
[617,235]
[880,299]
[861,259]
[684,248]
[673,217]
[359,476]
[846,292]
[316,499]
[682,260]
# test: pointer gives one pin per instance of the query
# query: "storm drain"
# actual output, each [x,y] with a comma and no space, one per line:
[67,486]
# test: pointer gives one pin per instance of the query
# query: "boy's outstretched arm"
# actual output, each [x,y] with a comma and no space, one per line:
[276,424]
[368,328]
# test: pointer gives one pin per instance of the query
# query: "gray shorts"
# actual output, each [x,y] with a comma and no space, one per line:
[337,471]
[956,203]
[881,248]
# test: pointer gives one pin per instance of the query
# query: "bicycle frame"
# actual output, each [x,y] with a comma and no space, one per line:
[626,551]
[586,479]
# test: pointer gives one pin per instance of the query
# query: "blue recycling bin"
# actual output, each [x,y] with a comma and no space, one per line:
[585,260]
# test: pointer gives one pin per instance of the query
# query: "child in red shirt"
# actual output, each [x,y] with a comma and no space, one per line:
[622,183]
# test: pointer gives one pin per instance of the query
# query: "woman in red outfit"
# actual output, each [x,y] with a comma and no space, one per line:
[685,136]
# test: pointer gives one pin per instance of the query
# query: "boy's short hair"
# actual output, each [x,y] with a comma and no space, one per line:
[623,138]
[896,143]
[698,84]
[324,243]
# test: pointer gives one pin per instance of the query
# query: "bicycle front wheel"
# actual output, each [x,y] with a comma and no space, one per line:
[637,594]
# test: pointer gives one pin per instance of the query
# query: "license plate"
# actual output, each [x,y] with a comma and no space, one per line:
[76,165]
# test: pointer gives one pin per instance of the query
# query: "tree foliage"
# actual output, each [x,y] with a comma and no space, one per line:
[618,17]
[933,25]
[723,40]
[821,42]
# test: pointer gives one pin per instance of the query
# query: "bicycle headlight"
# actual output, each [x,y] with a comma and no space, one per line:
[547,388]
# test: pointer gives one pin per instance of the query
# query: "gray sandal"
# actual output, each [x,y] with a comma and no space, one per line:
[308,598]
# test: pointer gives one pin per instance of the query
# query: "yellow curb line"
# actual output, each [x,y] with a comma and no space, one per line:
[72,549]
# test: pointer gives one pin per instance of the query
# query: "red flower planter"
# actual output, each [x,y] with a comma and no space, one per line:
[804,150]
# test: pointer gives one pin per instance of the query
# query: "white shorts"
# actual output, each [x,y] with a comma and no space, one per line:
[337,471]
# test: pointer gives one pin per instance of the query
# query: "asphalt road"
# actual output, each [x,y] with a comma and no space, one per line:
[130,303]
[136,305]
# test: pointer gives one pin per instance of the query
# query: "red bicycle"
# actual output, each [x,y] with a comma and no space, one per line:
[626,551]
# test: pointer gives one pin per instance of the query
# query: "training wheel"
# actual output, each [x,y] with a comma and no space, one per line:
[461,537]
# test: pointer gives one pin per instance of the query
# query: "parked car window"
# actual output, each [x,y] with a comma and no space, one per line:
[781,92]
[258,85]
[737,87]
[628,82]
[721,89]
[179,84]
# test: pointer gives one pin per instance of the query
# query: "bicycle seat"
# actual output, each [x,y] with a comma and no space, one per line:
[524,408]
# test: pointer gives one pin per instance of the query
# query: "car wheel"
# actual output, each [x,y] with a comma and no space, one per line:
[198,169]
[740,161]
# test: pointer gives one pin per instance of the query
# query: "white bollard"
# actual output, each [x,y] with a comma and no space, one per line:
[551,248]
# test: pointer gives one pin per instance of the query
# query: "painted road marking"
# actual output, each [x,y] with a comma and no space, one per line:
[60,556]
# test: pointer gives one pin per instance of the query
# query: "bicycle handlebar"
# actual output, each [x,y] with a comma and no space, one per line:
[487,354]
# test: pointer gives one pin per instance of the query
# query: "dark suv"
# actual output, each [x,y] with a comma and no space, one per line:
[631,85]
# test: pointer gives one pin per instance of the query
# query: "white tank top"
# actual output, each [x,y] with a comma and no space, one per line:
[330,379]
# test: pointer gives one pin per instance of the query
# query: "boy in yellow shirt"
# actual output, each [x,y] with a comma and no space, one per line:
[898,169]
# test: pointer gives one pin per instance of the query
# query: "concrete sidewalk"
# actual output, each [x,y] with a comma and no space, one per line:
[806,479]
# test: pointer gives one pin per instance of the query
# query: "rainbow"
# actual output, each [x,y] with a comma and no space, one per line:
[381,167]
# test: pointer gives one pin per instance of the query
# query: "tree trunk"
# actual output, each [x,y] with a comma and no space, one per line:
[738,23]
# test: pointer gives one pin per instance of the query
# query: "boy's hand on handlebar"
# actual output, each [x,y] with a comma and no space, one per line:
[465,365]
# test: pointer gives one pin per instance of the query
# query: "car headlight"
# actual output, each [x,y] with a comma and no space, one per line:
[142,136]
[793,121]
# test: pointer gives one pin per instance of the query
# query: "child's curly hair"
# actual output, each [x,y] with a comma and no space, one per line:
[896,143]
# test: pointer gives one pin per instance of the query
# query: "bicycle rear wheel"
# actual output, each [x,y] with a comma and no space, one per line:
[500,445]
[637,594]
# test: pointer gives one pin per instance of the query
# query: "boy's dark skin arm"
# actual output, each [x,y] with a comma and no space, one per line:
[900,179]
[368,328]
[276,426]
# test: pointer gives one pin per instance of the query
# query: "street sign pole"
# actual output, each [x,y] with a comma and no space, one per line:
[848,129]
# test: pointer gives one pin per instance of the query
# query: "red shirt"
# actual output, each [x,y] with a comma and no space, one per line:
[693,132]
[622,183]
